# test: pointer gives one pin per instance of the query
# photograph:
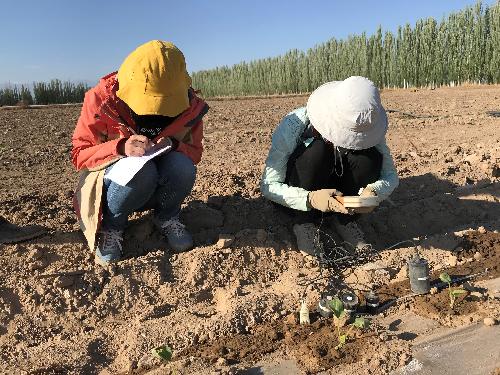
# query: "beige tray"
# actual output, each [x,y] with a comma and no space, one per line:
[353,201]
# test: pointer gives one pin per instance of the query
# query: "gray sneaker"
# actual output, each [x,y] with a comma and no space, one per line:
[351,234]
[177,235]
[109,247]
[308,241]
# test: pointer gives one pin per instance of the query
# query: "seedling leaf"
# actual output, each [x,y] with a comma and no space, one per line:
[337,307]
[445,277]
[342,341]
[361,323]
[457,292]
[163,352]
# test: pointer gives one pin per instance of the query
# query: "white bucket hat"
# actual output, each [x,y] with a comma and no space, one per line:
[348,113]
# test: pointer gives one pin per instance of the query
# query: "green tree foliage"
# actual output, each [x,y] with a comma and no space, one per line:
[462,48]
[54,92]
[15,95]
[58,92]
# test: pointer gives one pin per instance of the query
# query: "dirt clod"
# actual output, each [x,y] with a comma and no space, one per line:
[224,241]
[221,361]
[35,254]
[38,265]
[452,260]
[489,322]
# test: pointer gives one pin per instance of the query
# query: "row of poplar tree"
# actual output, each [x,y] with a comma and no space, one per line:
[463,48]
[53,92]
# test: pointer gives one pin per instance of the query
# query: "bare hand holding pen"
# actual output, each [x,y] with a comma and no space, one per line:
[136,145]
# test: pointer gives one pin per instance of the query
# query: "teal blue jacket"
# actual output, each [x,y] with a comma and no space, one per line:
[286,138]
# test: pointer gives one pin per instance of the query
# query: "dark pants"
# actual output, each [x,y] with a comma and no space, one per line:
[320,166]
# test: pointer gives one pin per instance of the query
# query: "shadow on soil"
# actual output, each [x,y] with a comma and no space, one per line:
[420,207]
[426,205]
[99,359]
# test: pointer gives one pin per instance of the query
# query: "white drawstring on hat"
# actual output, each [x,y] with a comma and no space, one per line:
[335,151]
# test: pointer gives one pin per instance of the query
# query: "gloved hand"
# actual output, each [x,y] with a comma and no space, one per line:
[367,192]
[324,200]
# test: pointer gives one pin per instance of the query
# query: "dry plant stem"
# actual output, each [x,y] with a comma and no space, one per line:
[349,331]
[339,334]
[337,323]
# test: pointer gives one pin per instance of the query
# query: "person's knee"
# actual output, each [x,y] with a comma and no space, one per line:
[123,200]
[179,168]
[318,151]
[186,170]
[146,180]
[311,169]
[366,167]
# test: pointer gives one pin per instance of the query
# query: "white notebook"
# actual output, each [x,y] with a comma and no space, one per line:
[126,168]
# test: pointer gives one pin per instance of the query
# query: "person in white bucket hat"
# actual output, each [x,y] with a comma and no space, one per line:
[334,146]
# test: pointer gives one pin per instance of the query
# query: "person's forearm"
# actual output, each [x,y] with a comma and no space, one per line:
[93,156]
[285,195]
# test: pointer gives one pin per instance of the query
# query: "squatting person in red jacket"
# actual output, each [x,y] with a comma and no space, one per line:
[148,101]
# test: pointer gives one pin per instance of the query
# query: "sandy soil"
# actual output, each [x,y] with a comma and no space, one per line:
[223,309]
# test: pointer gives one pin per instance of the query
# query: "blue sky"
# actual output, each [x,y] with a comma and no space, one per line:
[84,40]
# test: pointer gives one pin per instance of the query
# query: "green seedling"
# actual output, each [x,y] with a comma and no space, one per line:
[454,293]
[163,352]
[339,319]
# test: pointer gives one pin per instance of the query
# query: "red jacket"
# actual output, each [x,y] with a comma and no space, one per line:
[104,120]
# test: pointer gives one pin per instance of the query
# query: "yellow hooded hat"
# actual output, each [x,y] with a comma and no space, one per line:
[153,80]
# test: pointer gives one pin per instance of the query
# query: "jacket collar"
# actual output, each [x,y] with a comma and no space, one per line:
[116,109]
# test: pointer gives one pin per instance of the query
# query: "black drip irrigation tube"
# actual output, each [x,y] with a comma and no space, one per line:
[419,264]
[438,285]
[372,305]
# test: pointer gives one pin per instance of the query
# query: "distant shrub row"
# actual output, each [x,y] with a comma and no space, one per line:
[463,47]
[53,92]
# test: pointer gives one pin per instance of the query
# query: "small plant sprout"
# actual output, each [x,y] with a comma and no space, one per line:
[340,318]
[162,352]
[454,293]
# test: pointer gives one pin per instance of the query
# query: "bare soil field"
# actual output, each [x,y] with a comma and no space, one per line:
[223,309]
